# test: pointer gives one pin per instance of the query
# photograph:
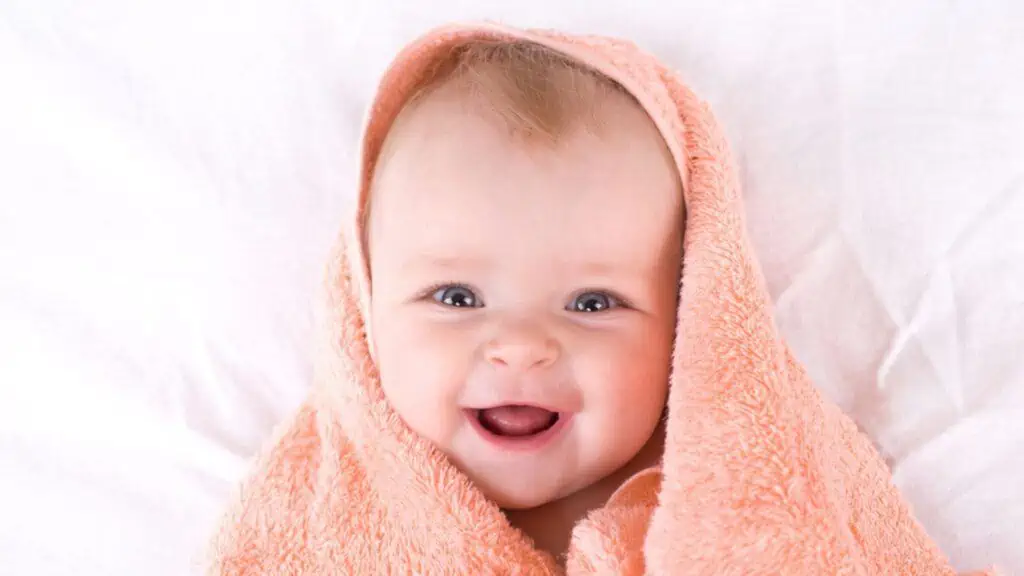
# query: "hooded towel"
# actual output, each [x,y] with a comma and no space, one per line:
[760,474]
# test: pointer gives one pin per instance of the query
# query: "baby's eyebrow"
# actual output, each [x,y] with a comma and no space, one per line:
[602,268]
[607,267]
[435,261]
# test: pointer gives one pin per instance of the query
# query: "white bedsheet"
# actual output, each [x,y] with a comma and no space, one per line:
[172,175]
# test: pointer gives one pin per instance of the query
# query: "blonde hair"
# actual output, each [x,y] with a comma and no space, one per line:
[536,91]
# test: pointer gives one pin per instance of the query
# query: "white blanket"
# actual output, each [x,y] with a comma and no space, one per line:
[172,174]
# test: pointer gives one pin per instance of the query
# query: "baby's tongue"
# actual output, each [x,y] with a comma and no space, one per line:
[517,420]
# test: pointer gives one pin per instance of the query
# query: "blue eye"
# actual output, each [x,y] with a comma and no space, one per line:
[456,297]
[593,302]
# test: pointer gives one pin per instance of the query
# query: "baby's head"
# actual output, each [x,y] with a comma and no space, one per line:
[524,245]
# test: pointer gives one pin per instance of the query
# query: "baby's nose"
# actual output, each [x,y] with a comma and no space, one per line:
[522,348]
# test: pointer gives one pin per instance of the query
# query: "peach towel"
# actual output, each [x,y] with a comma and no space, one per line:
[761,475]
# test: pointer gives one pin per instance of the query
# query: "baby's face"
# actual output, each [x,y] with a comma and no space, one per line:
[523,297]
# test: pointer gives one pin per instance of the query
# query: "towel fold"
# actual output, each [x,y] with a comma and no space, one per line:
[760,474]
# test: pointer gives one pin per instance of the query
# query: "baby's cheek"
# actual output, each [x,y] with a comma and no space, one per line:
[423,371]
[627,369]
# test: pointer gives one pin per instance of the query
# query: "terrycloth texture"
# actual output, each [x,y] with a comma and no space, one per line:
[760,474]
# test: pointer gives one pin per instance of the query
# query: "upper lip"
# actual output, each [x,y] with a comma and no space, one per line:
[543,406]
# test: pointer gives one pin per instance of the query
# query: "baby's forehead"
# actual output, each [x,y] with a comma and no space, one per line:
[456,184]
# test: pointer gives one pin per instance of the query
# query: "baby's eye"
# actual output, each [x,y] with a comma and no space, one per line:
[457,297]
[593,302]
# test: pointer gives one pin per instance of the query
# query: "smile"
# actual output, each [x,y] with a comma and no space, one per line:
[518,427]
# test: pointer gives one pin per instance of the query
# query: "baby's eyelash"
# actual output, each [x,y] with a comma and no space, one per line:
[429,292]
[622,301]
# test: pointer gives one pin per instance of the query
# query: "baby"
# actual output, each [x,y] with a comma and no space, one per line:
[524,242]
[492,395]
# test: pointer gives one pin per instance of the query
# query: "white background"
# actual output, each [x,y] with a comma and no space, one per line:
[172,175]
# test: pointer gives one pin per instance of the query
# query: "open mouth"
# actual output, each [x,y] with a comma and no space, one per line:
[516,421]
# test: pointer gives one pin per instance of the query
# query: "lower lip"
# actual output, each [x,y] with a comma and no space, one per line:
[530,443]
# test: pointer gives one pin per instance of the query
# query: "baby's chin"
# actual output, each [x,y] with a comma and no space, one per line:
[525,494]
[519,501]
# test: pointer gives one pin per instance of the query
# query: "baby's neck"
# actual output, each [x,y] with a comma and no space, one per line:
[550,525]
